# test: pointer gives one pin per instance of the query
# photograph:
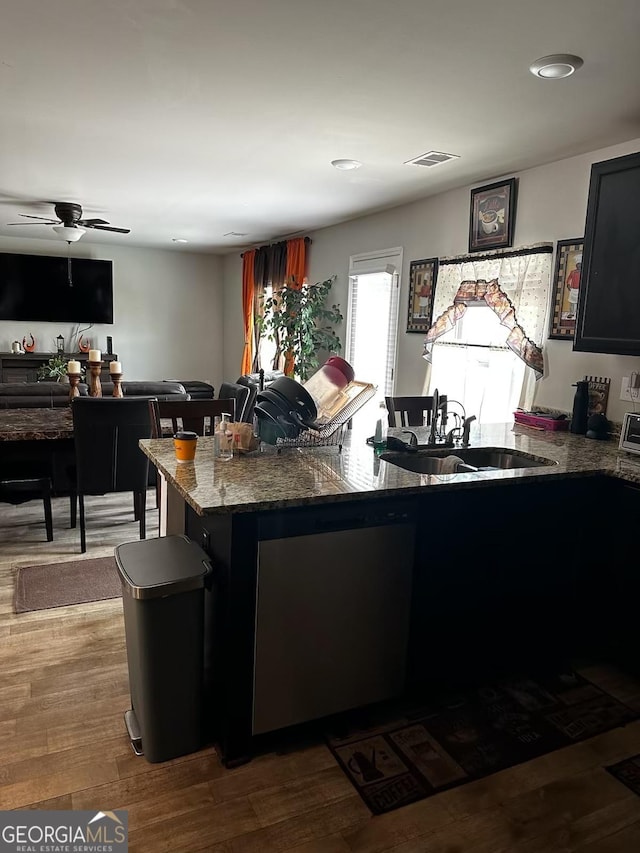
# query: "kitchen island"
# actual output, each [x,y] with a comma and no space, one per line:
[341,580]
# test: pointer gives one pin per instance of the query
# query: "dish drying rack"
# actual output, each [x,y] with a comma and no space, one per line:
[332,432]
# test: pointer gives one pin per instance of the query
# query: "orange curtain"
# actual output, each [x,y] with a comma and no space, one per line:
[296,272]
[296,261]
[248,291]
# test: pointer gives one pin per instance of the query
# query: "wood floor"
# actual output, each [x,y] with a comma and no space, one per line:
[63,691]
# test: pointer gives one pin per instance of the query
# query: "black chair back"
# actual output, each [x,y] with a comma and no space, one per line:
[244,397]
[192,414]
[413,411]
[106,432]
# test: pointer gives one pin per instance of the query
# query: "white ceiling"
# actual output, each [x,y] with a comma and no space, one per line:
[193,118]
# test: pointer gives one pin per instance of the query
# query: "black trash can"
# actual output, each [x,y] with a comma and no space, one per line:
[163,594]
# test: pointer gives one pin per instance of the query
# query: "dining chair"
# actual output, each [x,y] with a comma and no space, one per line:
[413,411]
[18,490]
[108,459]
[192,414]
[244,397]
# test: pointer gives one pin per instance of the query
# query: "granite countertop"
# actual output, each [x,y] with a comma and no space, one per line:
[35,424]
[267,479]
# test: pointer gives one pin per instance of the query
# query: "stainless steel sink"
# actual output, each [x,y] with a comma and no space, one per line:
[430,461]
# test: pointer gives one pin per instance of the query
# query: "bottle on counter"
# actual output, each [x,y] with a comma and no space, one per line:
[222,448]
[580,412]
[382,426]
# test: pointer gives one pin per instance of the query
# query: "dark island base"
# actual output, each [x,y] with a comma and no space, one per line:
[521,577]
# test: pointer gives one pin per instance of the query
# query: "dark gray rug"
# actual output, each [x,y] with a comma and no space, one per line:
[60,584]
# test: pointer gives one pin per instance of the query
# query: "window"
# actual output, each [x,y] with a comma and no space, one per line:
[372,323]
[266,348]
[490,313]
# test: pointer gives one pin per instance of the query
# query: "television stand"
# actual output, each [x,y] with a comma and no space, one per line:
[23,367]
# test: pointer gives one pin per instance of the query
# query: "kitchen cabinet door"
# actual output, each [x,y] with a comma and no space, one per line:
[498,583]
[609,297]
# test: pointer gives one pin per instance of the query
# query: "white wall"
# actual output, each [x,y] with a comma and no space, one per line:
[552,202]
[168,310]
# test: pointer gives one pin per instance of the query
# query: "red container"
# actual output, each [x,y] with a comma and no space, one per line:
[539,422]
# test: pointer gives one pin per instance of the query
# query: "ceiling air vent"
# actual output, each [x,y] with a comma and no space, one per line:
[431,158]
[236,234]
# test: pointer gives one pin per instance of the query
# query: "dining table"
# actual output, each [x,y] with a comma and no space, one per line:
[36,424]
[38,442]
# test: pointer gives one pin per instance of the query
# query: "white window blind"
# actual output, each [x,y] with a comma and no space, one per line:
[372,317]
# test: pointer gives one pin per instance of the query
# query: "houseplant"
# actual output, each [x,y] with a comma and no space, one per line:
[300,323]
[55,370]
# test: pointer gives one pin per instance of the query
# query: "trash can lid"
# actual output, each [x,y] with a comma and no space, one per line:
[155,568]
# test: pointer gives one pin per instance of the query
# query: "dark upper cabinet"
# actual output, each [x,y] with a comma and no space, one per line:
[609,299]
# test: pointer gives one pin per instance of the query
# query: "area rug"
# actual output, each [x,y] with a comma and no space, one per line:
[627,772]
[59,584]
[456,739]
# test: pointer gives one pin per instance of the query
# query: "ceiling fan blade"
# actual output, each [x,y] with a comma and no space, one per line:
[29,223]
[42,218]
[91,222]
[110,228]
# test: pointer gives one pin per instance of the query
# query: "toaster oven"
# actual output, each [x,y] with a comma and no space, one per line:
[630,434]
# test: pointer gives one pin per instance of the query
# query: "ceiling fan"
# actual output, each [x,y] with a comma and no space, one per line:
[70,225]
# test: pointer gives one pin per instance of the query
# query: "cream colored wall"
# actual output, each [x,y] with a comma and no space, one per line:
[168,310]
[551,206]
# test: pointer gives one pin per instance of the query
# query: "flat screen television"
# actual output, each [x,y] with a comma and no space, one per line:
[36,287]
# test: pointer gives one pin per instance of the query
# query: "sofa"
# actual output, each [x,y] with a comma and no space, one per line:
[48,395]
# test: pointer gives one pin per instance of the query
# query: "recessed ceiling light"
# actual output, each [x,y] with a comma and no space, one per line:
[236,234]
[344,165]
[179,240]
[556,66]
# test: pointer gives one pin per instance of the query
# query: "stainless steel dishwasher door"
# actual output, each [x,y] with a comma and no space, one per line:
[332,622]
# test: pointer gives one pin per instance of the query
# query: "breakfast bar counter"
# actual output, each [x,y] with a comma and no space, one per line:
[267,480]
[341,580]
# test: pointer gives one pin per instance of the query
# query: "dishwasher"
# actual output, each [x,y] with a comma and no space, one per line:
[332,611]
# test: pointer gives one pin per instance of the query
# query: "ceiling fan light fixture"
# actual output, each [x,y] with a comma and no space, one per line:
[557,66]
[69,233]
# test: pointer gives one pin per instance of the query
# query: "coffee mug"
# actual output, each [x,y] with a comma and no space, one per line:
[185,446]
[489,221]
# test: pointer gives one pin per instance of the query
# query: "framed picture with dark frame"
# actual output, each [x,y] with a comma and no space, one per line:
[422,285]
[492,216]
[565,288]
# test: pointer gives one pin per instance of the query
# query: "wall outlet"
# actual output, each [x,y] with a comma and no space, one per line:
[628,391]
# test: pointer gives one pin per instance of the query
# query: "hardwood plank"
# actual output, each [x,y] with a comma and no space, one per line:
[204,825]
[587,830]
[311,827]
[265,771]
[330,844]
[156,781]
[300,795]
[627,839]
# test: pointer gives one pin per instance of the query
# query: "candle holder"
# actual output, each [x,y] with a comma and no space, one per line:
[95,388]
[74,379]
[116,378]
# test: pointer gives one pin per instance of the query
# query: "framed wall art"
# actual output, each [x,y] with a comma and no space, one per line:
[566,285]
[422,284]
[492,216]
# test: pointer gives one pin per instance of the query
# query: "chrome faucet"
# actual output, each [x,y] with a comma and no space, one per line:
[466,429]
[433,434]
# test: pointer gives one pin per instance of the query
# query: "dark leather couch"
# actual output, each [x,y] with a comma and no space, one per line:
[48,395]
[164,390]
[36,395]
[196,389]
